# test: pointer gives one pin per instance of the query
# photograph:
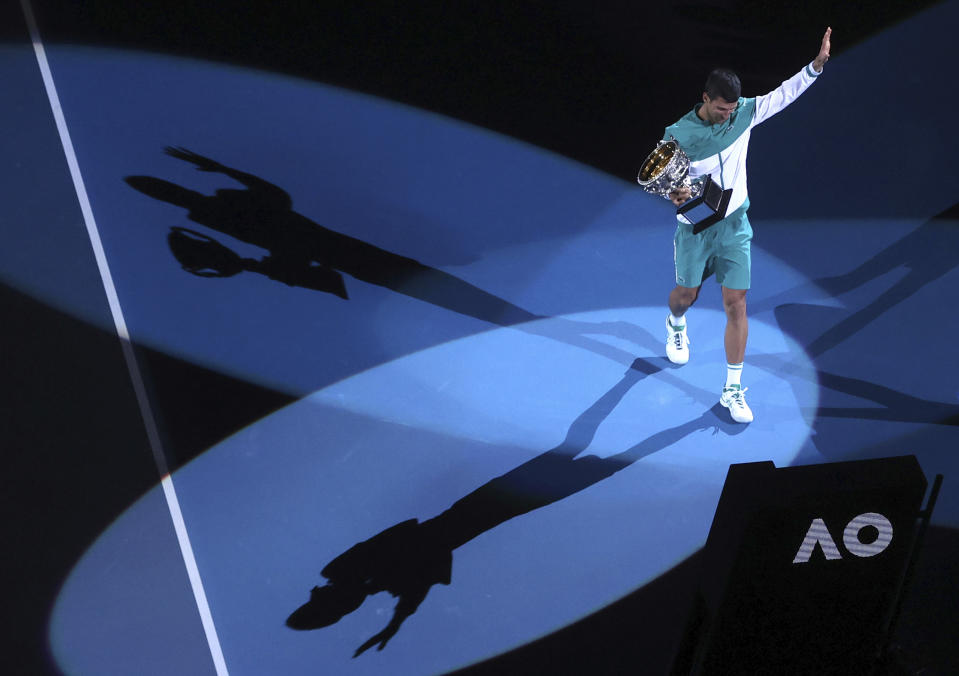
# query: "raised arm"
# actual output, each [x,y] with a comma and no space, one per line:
[771,103]
[823,55]
[264,190]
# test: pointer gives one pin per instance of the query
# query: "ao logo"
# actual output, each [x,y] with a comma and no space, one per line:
[819,534]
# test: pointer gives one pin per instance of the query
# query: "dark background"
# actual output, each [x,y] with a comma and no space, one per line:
[594,81]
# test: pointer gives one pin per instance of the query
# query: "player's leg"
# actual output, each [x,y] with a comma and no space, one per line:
[681,299]
[733,270]
[690,257]
[737,324]
[733,395]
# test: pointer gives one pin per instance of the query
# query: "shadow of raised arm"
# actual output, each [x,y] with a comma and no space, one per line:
[404,560]
[407,559]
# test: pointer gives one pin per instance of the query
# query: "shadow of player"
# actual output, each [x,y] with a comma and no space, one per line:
[407,559]
[306,254]
[262,214]
[926,254]
[203,256]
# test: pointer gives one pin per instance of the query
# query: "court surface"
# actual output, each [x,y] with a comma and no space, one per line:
[365,329]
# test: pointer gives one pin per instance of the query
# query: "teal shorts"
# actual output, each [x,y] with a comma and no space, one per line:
[721,249]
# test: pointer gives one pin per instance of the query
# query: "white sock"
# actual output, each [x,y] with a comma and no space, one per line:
[733,374]
[675,321]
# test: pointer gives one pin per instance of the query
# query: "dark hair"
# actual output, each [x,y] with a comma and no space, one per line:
[725,83]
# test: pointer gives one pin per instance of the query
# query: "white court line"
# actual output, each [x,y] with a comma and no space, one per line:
[166,481]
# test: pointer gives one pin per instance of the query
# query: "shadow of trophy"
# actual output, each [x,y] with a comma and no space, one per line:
[805,567]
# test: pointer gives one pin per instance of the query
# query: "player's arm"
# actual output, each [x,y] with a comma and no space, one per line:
[771,103]
[823,55]
[697,172]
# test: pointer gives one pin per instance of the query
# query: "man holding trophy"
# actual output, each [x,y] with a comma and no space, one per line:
[700,165]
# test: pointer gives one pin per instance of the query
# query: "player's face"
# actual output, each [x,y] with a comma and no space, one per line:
[717,110]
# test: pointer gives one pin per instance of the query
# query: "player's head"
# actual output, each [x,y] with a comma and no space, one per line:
[720,95]
[723,83]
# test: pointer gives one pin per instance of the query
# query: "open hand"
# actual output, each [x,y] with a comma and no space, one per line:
[823,55]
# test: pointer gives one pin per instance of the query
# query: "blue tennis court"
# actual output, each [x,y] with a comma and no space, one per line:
[367,341]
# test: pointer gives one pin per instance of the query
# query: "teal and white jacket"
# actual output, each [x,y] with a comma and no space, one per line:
[720,149]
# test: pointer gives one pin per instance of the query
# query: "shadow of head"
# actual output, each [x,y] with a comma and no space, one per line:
[326,606]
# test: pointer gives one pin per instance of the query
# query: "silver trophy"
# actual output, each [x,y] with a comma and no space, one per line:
[666,170]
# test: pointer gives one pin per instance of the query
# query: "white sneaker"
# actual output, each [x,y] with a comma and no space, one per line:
[734,398]
[677,343]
